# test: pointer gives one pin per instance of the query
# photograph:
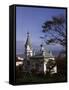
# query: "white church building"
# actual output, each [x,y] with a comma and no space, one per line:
[42,62]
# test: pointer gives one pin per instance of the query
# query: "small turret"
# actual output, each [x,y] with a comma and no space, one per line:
[42,49]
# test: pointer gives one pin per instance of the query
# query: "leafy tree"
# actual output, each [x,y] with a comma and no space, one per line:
[51,64]
[55,30]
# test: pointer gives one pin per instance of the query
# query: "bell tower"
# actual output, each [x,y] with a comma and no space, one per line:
[28,47]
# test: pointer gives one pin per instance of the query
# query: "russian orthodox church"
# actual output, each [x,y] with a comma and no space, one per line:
[42,62]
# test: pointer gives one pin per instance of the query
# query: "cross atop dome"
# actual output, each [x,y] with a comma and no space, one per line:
[27,34]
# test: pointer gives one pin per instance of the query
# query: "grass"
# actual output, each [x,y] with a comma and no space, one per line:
[33,78]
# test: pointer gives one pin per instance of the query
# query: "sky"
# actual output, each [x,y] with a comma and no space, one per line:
[30,20]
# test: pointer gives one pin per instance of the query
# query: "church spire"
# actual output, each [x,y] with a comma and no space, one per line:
[28,46]
[28,41]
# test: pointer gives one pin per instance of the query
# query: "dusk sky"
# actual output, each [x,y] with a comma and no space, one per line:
[30,20]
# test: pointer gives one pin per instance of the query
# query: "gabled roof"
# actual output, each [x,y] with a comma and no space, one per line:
[48,54]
